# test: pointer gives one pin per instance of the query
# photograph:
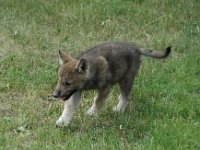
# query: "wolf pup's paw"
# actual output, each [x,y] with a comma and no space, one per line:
[119,109]
[116,109]
[92,111]
[62,123]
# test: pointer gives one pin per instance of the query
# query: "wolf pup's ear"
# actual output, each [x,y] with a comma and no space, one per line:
[60,60]
[63,58]
[82,65]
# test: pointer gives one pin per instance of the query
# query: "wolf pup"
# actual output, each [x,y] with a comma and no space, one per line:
[99,68]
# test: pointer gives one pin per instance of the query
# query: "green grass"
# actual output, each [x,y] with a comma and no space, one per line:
[164,112]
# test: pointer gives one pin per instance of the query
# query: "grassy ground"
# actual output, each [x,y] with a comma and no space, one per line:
[165,106]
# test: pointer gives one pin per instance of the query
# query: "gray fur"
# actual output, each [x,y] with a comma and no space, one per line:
[99,68]
[115,62]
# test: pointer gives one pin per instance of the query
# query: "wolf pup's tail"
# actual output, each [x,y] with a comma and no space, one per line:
[155,54]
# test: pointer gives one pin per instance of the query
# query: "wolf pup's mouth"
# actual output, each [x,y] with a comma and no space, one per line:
[68,95]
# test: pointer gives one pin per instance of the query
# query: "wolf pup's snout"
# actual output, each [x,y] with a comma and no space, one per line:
[63,96]
[56,93]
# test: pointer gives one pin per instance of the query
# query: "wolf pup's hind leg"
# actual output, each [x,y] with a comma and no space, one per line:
[123,97]
[125,88]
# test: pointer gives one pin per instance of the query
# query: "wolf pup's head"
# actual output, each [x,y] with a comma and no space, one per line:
[71,76]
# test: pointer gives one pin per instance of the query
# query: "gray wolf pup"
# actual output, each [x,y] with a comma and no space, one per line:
[99,68]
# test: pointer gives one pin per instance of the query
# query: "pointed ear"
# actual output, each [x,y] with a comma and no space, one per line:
[60,58]
[63,58]
[82,65]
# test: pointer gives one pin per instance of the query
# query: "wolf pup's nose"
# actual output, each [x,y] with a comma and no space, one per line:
[56,93]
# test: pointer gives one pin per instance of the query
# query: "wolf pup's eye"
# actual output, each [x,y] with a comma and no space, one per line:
[67,83]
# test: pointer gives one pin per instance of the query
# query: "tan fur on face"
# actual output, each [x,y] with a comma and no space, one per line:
[68,72]
[68,68]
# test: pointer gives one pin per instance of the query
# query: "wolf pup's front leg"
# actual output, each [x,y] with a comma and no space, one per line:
[99,101]
[69,108]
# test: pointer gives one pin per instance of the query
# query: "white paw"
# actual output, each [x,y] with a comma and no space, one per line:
[121,107]
[117,109]
[61,122]
[92,111]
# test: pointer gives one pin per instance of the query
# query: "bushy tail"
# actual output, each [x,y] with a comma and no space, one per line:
[155,54]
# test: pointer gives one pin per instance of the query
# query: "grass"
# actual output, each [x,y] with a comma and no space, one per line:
[164,112]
